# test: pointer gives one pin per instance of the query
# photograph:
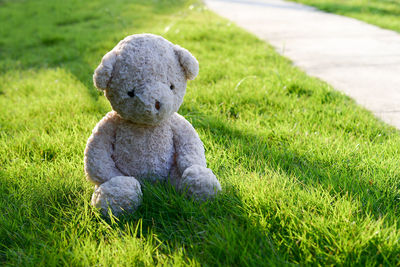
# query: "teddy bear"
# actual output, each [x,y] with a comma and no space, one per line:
[143,138]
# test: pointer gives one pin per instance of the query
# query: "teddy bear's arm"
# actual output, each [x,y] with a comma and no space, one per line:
[188,146]
[99,165]
[197,180]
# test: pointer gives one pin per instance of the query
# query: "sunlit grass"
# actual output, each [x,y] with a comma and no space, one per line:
[308,176]
[383,13]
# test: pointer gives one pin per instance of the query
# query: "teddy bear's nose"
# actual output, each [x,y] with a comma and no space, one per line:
[158,105]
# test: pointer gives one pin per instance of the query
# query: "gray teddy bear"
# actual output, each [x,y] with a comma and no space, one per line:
[144,77]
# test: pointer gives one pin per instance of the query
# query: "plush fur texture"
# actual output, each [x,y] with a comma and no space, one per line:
[144,78]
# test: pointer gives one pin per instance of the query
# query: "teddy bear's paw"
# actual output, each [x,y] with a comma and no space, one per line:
[120,194]
[200,182]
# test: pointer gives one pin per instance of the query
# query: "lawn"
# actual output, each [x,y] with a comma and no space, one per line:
[308,176]
[383,13]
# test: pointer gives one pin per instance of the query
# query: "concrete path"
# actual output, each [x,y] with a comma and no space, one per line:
[356,58]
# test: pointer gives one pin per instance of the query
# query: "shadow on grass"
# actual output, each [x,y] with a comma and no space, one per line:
[340,179]
[212,232]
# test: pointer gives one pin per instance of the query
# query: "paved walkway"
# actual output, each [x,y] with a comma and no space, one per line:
[356,58]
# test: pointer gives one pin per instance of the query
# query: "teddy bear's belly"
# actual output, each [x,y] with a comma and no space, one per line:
[146,152]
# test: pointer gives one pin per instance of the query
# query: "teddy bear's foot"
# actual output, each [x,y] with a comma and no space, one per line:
[200,182]
[120,193]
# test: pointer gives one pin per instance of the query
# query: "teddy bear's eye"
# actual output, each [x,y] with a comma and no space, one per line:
[131,93]
[172,87]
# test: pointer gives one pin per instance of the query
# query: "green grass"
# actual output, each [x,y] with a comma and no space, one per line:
[383,13]
[308,176]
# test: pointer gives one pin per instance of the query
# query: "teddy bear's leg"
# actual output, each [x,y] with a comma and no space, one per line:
[120,193]
[200,182]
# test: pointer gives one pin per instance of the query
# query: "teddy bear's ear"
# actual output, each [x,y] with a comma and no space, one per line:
[188,62]
[103,74]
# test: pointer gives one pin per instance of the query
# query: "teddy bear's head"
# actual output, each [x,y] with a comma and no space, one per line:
[144,77]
